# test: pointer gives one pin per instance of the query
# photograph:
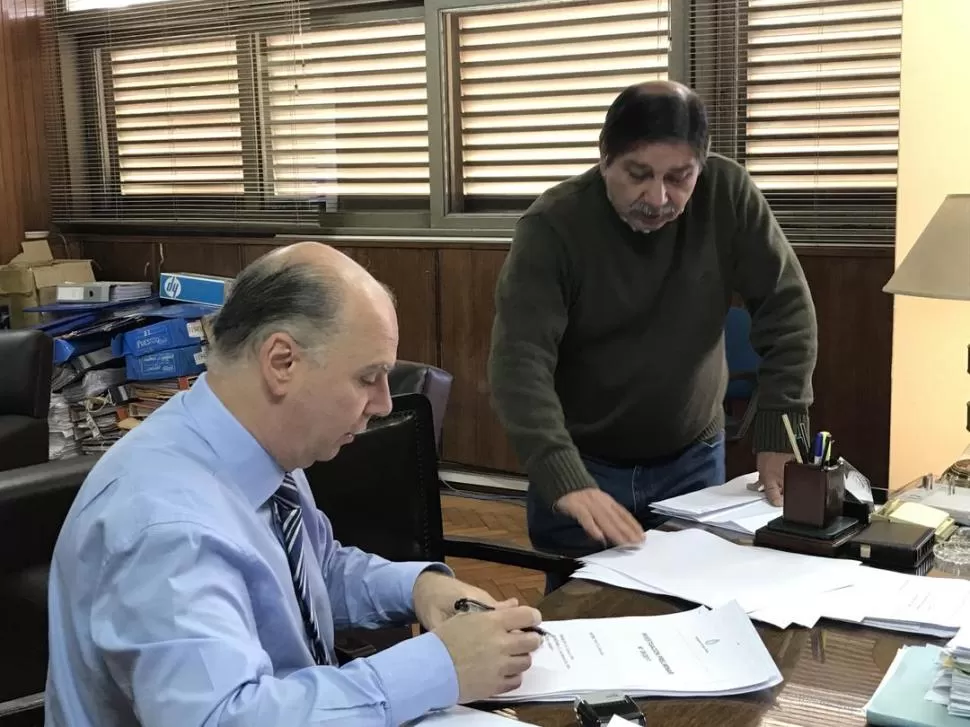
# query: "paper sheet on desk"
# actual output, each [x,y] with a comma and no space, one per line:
[781,617]
[465,717]
[701,567]
[732,506]
[701,652]
[711,500]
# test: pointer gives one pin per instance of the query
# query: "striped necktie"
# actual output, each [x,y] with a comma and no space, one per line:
[288,514]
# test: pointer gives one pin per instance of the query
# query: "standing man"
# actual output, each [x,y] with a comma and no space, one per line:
[607,365]
[194,581]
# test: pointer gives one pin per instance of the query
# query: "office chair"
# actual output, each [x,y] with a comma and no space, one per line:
[741,398]
[25,394]
[409,377]
[34,501]
[382,494]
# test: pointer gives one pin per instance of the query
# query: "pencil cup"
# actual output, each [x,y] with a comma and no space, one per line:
[814,495]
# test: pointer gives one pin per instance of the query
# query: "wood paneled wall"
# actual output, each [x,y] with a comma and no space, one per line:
[24,194]
[445,309]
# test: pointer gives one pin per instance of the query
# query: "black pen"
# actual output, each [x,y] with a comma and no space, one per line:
[466,605]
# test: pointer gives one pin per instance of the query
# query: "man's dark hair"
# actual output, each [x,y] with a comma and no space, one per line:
[649,112]
[276,294]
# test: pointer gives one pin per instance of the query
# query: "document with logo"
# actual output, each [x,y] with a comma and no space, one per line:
[704,652]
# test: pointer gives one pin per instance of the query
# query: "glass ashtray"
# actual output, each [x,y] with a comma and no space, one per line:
[952,556]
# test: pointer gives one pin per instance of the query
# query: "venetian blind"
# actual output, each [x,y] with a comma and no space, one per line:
[534,86]
[348,111]
[249,111]
[812,108]
[177,127]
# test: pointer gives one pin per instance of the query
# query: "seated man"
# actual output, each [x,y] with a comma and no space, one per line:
[194,581]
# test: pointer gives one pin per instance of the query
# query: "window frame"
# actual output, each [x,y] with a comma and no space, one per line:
[81,33]
[441,25]
[99,156]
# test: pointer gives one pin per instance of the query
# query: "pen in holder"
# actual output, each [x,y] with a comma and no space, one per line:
[814,494]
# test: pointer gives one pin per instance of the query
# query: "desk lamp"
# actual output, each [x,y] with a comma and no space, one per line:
[938,265]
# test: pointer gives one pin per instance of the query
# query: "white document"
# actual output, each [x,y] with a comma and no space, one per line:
[693,653]
[616,721]
[710,500]
[731,506]
[465,717]
[701,567]
[781,617]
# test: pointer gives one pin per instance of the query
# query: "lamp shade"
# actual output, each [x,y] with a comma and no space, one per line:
[938,265]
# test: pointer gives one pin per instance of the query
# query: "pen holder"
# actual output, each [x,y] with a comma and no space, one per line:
[814,495]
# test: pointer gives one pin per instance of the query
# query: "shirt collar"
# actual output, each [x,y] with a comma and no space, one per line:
[239,458]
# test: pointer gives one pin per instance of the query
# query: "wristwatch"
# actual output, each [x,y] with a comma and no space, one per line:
[598,710]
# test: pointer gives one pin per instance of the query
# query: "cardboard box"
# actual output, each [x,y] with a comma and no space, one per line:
[32,277]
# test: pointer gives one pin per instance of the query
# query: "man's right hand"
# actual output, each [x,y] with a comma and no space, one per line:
[603,518]
[489,649]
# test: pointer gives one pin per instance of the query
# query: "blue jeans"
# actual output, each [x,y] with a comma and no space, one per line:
[700,465]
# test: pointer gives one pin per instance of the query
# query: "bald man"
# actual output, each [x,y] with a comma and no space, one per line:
[607,365]
[194,581]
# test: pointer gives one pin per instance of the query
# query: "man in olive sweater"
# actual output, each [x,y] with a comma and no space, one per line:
[607,364]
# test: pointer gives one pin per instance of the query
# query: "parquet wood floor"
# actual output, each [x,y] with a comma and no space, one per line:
[496,520]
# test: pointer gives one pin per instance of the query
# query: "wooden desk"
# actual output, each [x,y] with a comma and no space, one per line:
[830,671]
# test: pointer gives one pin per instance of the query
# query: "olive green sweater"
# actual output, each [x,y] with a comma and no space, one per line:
[608,342]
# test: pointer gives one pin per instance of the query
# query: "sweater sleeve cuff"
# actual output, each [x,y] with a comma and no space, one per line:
[559,474]
[769,433]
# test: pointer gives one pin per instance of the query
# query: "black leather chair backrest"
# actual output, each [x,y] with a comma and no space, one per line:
[34,502]
[381,491]
[409,377]
[25,375]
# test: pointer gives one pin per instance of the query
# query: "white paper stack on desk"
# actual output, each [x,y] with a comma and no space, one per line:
[701,652]
[782,588]
[731,506]
[951,687]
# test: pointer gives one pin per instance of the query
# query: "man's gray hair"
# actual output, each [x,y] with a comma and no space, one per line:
[276,294]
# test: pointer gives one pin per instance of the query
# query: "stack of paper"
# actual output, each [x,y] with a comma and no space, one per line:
[693,653]
[782,588]
[731,506]
[952,685]
[902,697]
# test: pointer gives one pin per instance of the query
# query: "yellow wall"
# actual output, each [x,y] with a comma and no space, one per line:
[930,384]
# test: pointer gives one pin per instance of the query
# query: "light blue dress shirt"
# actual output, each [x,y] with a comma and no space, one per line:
[171,602]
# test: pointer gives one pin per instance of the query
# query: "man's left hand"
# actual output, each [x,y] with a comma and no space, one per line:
[771,474]
[435,594]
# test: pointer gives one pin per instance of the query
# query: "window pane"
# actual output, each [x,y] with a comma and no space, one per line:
[176,119]
[535,83]
[347,112]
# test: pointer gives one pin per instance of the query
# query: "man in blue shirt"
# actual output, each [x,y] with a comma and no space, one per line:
[194,581]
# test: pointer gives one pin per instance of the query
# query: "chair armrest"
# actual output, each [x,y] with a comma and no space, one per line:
[30,706]
[506,554]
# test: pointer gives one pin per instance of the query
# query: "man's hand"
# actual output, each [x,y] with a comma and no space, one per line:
[603,518]
[771,474]
[435,594]
[490,651]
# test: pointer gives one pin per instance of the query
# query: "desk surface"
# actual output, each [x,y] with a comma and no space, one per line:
[830,671]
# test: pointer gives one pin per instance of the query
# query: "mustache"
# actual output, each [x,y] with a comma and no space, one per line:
[651,211]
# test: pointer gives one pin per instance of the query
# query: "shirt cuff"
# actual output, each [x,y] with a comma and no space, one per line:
[409,573]
[413,692]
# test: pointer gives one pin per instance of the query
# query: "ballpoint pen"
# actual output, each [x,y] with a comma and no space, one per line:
[468,605]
